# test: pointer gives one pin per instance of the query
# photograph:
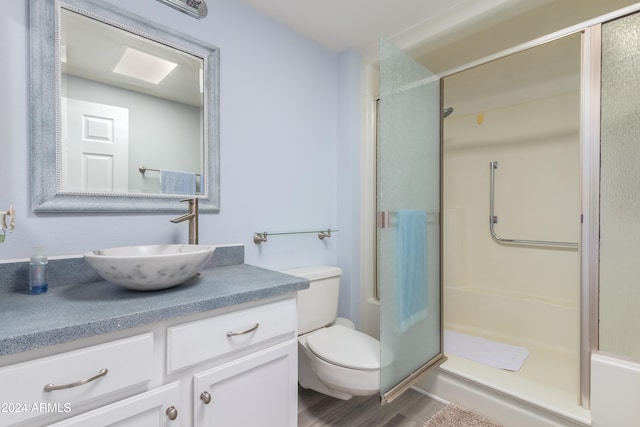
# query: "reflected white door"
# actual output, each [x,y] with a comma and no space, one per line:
[95,147]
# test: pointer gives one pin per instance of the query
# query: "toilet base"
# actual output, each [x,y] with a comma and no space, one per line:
[343,383]
[308,379]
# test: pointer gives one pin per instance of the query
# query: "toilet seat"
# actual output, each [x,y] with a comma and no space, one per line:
[345,347]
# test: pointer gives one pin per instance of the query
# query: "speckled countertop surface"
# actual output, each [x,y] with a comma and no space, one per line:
[67,313]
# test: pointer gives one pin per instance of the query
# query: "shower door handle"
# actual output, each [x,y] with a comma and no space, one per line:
[383,219]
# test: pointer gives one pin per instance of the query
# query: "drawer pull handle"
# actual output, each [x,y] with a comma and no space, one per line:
[51,387]
[205,397]
[172,413]
[233,334]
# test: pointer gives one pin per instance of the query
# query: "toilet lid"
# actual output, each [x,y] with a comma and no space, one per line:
[345,347]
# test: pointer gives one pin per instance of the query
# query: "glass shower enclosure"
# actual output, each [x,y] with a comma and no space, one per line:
[408,223]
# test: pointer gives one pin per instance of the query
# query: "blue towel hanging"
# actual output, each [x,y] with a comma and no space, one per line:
[176,182]
[411,268]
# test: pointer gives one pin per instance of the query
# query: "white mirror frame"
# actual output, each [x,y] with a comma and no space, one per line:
[45,112]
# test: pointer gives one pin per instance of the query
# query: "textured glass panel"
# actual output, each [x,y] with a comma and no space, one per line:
[620,188]
[409,191]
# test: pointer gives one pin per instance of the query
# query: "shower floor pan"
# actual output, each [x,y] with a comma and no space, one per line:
[544,392]
[545,387]
[548,379]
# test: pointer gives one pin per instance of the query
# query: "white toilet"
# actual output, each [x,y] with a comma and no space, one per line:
[333,358]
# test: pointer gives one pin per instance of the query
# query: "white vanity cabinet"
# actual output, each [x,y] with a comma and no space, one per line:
[234,366]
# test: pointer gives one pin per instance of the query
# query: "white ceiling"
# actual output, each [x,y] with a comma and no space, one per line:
[446,34]
[341,24]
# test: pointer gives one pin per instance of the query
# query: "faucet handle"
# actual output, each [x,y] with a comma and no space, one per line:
[192,216]
[193,204]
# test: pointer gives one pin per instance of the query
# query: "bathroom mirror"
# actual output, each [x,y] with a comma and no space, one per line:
[106,134]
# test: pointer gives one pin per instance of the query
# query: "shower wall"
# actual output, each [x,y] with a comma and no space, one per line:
[619,320]
[519,294]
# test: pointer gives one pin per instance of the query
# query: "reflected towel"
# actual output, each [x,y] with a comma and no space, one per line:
[176,182]
[411,268]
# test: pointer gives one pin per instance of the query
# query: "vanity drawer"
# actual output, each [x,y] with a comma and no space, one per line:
[127,363]
[206,339]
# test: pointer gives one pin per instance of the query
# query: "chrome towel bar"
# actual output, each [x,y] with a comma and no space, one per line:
[143,169]
[493,219]
[384,219]
[259,238]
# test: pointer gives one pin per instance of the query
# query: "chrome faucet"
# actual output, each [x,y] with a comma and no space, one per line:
[192,216]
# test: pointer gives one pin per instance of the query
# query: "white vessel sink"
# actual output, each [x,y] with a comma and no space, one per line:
[146,268]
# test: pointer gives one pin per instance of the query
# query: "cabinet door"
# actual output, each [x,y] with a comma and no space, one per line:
[256,390]
[151,409]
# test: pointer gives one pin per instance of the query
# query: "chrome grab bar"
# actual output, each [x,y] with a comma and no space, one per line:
[493,219]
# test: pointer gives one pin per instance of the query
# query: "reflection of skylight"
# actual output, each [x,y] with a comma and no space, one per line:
[143,66]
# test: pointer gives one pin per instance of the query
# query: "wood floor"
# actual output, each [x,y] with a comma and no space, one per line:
[412,409]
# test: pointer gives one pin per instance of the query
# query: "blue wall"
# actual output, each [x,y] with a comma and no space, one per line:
[288,113]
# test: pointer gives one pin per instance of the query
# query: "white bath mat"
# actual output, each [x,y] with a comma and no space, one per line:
[485,351]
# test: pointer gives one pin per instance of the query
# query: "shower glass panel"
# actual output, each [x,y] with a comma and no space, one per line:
[408,235]
[619,190]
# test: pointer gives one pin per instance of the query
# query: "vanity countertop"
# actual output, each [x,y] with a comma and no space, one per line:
[68,313]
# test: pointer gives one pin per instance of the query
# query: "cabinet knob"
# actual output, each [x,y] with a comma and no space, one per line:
[172,413]
[205,397]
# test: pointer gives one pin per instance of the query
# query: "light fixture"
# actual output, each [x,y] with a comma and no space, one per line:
[143,66]
[195,8]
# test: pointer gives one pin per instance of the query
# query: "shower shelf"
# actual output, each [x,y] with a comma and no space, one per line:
[493,219]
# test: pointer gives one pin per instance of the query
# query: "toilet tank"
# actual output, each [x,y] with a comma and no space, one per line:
[318,305]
